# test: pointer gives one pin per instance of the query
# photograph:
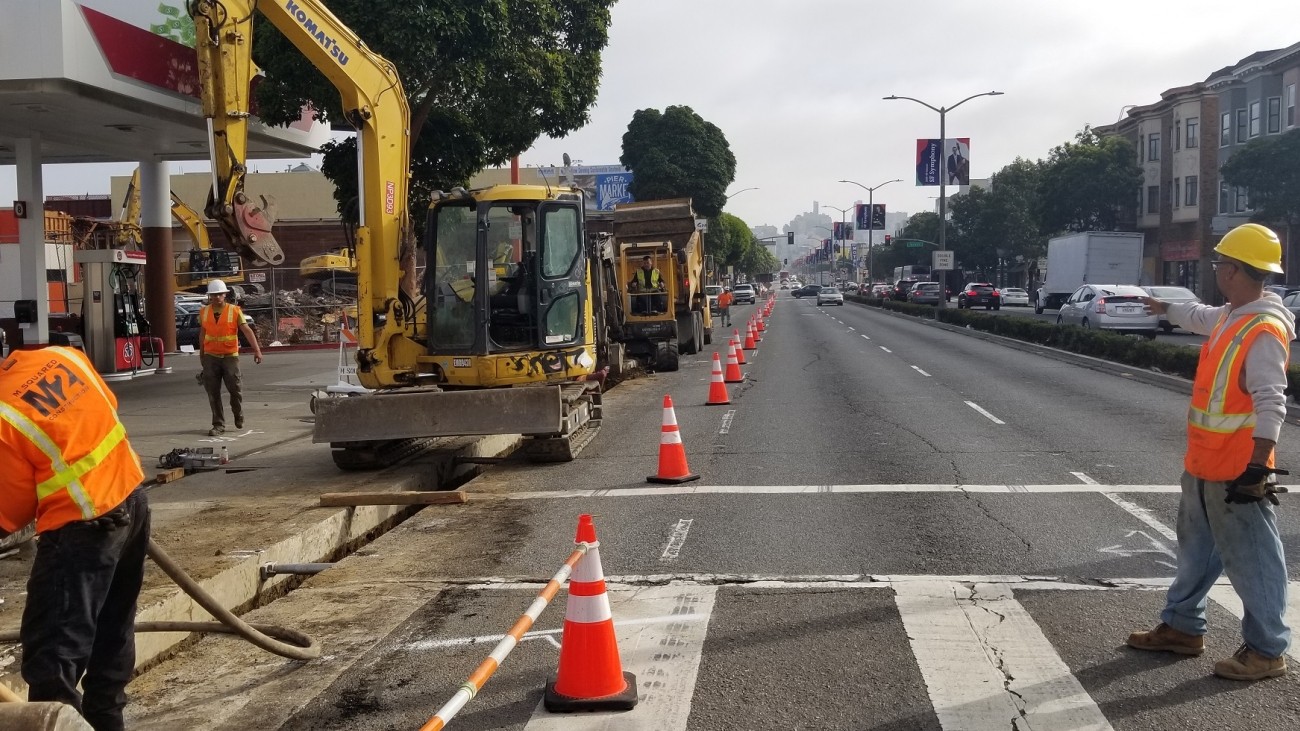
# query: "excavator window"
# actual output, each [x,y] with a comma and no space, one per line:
[450,288]
[562,285]
[511,252]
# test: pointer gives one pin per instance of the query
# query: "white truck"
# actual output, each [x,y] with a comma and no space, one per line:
[1096,257]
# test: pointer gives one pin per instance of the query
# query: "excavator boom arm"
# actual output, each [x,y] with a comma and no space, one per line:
[375,105]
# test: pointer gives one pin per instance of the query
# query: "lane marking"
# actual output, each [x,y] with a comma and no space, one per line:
[987,664]
[1156,546]
[537,634]
[677,539]
[665,657]
[887,350]
[866,337]
[991,417]
[1085,479]
[1142,514]
[1225,597]
[1072,488]
[918,370]
[726,421]
[853,329]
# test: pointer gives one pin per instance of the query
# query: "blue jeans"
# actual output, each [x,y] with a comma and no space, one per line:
[1242,540]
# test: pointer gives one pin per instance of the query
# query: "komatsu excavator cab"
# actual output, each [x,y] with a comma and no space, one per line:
[507,288]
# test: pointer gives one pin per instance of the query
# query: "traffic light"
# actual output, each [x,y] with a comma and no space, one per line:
[787,261]
[789,238]
[888,239]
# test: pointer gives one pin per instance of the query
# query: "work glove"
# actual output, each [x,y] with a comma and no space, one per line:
[1252,485]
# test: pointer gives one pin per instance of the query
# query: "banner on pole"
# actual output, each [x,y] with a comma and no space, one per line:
[843,230]
[949,159]
[877,221]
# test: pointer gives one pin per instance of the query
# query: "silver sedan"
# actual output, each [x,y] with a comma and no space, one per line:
[1116,307]
[1172,296]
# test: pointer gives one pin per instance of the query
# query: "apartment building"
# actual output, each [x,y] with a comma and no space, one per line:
[1182,141]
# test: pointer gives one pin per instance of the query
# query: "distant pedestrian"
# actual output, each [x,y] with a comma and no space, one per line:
[1225,520]
[724,306]
[220,324]
[67,465]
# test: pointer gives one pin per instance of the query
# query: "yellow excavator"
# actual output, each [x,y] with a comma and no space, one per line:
[500,336]
[193,269]
[331,272]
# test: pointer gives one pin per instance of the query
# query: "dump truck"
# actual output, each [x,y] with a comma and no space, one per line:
[1088,257]
[658,323]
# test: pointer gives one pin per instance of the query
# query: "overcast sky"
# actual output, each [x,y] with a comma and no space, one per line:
[796,85]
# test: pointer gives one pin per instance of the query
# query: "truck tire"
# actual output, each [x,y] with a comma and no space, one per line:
[667,359]
[686,334]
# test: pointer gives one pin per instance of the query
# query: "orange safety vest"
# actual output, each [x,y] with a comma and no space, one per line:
[724,300]
[1221,418]
[221,335]
[60,418]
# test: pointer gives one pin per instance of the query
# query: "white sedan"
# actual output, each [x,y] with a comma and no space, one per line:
[1015,297]
[829,296]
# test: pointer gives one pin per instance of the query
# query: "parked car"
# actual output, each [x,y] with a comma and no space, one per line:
[850,287]
[924,293]
[1116,307]
[882,291]
[901,288]
[1015,297]
[712,291]
[975,294]
[830,296]
[1173,296]
[744,293]
[807,290]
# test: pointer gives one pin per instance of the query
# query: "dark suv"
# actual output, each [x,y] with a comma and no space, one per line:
[901,288]
[979,293]
[808,290]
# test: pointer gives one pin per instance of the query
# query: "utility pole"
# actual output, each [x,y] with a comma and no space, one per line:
[871,223]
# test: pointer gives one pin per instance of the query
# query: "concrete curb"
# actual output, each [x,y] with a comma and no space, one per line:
[1143,375]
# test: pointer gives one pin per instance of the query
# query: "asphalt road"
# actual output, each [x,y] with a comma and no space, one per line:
[895,527]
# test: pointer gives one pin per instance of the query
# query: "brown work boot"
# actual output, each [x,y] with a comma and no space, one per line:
[1167,639]
[1246,664]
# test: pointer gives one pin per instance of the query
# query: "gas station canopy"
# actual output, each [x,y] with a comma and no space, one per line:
[113,81]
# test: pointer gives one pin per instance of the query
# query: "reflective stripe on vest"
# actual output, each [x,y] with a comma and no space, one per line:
[65,476]
[225,339]
[652,276]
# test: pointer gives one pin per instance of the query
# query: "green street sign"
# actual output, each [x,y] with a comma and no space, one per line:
[915,244]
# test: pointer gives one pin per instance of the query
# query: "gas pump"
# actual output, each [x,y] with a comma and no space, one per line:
[113,312]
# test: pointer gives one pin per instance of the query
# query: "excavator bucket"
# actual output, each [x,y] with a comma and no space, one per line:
[255,231]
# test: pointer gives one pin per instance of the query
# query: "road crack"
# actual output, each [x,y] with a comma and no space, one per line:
[989,514]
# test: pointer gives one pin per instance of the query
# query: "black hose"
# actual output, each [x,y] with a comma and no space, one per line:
[295,645]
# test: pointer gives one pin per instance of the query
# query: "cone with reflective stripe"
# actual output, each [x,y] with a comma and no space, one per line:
[591,676]
[761,326]
[749,338]
[734,374]
[672,455]
[758,337]
[717,387]
[734,344]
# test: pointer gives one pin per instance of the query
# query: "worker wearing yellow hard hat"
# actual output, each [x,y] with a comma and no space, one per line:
[1254,245]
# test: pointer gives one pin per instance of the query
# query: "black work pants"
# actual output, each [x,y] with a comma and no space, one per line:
[79,621]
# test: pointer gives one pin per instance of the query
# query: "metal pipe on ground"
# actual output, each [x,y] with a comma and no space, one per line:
[298,569]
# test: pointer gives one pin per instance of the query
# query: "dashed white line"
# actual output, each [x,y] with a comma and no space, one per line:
[978,408]
[677,539]
[866,337]
[853,329]
[887,350]
[918,370]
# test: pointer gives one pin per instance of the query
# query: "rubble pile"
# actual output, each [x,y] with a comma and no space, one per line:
[303,317]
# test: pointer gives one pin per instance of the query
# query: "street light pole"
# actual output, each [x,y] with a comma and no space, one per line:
[943,178]
[742,190]
[843,221]
[871,228]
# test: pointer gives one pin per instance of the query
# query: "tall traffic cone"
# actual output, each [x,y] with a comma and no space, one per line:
[733,367]
[734,343]
[758,337]
[749,338]
[759,323]
[717,387]
[672,455]
[591,676]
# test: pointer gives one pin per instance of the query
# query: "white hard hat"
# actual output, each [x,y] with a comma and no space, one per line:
[217,286]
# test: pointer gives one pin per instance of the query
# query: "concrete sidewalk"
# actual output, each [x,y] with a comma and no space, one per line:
[262,507]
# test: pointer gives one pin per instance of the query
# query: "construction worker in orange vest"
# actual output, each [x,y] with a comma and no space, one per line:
[219,327]
[1226,521]
[724,306]
[68,466]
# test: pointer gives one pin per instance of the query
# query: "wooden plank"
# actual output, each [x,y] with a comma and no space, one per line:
[171,475]
[416,497]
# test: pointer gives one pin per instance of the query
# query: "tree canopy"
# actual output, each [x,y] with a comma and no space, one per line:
[1269,169]
[484,79]
[1086,185]
[677,154]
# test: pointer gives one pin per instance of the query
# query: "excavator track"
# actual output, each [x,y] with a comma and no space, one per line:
[582,407]
[362,456]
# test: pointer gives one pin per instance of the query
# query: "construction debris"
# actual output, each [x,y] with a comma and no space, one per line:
[302,317]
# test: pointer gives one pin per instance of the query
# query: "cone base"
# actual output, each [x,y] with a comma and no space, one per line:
[671,480]
[718,403]
[625,701]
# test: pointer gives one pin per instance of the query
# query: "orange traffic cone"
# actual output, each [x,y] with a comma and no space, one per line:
[749,338]
[717,387]
[672,455]
[761,326]
[740,352]
[733,367]
[591,676]
[758,337]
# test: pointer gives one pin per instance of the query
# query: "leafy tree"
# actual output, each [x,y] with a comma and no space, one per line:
[727,239]
[1087,184]
[1269,169]
[923,226]
[999,222]
[484,79]
[677,154]
[757,260]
